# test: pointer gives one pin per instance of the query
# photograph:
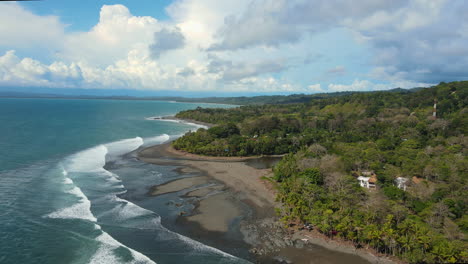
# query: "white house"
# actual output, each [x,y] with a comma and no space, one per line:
[400,182]
[367,182]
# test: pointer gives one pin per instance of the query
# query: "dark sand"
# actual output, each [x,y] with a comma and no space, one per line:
[234,211]
[177,185]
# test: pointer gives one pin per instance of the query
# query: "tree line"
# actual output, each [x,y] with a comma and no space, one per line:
[330,141]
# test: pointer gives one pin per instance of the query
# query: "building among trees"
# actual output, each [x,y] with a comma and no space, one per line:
[367,180]
[401,183]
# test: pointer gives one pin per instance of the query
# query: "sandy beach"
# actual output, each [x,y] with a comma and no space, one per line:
[243,181]
[234,204]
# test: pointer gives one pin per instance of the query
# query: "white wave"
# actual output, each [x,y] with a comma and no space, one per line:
[180,121]
[193,124]
[126,210]
[92,159]
[196,125]
[105,254]
[156,140]
[79,210]
[202,247]
[196,246]
[169,120]
[67,181]
[153,118]
[119,148]
[110,177]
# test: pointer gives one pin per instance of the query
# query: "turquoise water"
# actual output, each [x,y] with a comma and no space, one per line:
[72,191]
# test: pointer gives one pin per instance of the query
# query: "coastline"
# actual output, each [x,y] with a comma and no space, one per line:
[235,205]
[175,119]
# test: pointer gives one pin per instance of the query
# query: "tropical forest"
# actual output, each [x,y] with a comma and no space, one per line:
[385,170]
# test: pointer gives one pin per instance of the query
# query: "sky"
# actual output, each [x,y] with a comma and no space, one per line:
[178,47]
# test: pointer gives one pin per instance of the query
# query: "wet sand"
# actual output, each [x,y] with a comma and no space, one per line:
[220,205]
[244,180]
[177,185]
[234,206]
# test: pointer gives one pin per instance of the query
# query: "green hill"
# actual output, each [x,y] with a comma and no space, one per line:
[330,141]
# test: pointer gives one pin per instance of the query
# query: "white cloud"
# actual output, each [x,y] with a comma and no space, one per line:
[366,85]
[117,32]
[419,41]
[26,71]
[22,29]
[165,40]
[232,71]
[411,35]
[357,85]
[316,88]
[275,22]
[199,20]
[137,70]
[240,46]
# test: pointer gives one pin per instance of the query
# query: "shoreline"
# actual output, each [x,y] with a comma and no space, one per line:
[179,120]
[245,184]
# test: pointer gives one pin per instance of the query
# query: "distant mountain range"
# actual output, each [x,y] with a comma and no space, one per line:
[238,100]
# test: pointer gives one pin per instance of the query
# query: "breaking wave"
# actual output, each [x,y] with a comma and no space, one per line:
[88,165]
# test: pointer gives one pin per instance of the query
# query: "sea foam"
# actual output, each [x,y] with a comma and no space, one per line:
[119,148]
[180,121]
[105,253]
[156,140]
[91,162]
[79,210]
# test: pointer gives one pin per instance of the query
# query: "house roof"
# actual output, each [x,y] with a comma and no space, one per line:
[401,179]
[417,180]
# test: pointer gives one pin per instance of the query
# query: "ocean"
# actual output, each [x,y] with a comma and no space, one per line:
[73,191]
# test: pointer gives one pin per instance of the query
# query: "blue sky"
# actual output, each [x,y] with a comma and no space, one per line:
[189,47]
[83,15]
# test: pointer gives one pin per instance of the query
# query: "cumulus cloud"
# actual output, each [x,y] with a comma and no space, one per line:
[275,22]
[165,40]
[259,25]
[116,33]
[23,29]
[199,20]
[357,85]
[234,71]
[138,69]
[316,88]
[418,40]
[422,42]
[27,71]
[244,45]
[185,72]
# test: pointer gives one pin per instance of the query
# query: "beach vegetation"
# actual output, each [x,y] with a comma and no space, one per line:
[329,142]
